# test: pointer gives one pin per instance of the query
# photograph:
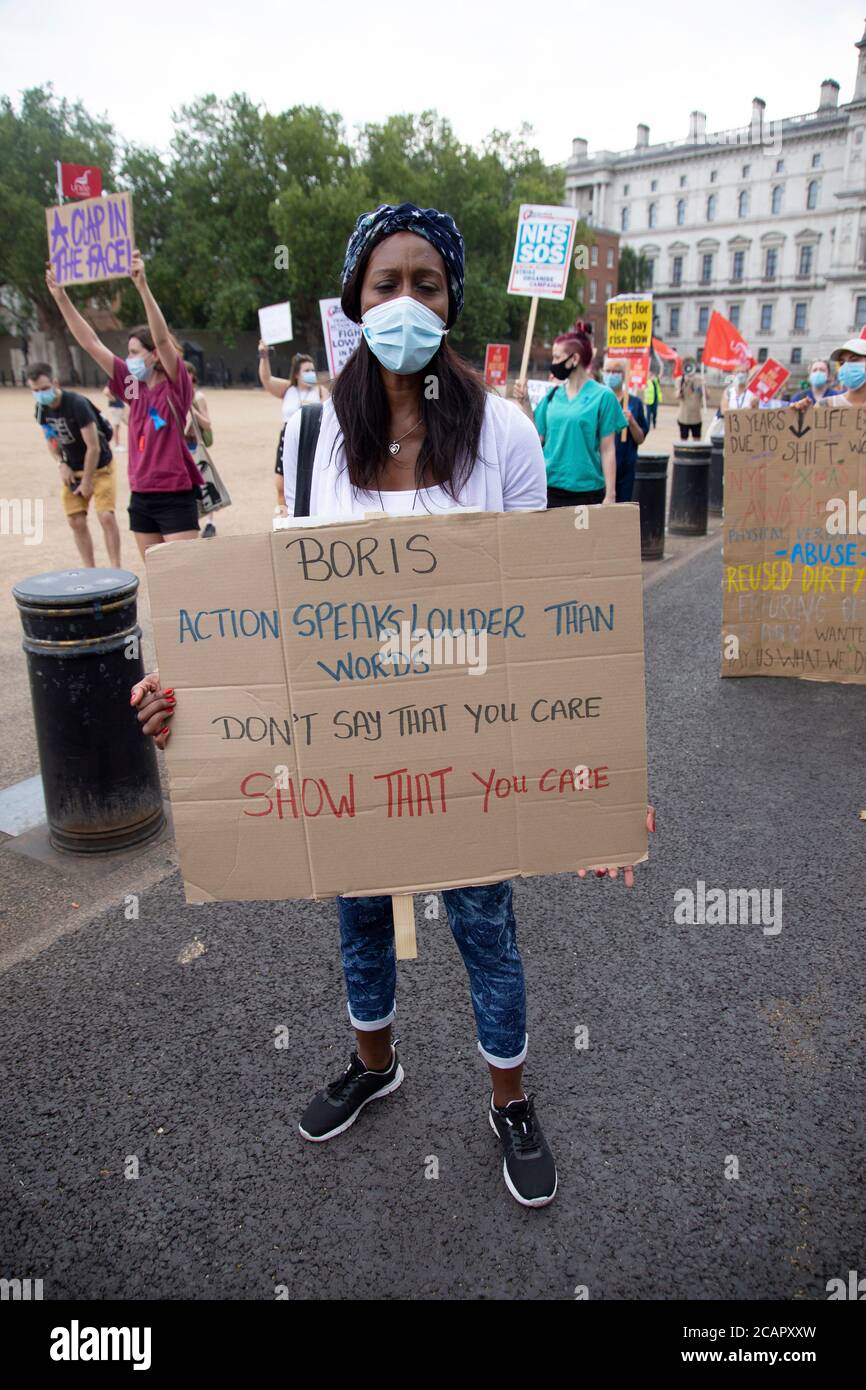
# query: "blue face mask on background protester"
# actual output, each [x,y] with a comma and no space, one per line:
[137,367]
[852,375]
[309,378]
[818,378]
[613,380]
[402,334]
[44,397]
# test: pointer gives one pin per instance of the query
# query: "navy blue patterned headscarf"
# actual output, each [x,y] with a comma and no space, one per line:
[371,227]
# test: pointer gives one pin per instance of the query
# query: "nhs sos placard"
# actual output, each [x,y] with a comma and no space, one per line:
[542,251]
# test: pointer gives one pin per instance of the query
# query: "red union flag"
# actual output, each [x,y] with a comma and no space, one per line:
[81,180]
[725,347]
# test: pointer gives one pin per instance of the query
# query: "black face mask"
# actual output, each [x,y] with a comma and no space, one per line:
[560,370]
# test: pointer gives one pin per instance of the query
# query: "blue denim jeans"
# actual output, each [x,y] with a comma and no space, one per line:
[482,923]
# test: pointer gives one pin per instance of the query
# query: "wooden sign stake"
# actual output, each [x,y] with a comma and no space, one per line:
[530,330]
[404,926]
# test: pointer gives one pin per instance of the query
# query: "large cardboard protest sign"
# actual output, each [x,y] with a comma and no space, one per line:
[794,586]
[340,333]
[91,240]
[542,251]
[309,756]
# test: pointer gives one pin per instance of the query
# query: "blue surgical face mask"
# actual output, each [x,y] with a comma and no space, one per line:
[852,375]
[818,378]
[613,380]
[137,367]
[309,378]
[402,334]
[44,397]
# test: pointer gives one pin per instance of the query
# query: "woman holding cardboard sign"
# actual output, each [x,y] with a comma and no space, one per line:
[155,383]
[412,429]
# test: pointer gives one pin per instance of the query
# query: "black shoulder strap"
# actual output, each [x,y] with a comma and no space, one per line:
[311,422]
[551,393]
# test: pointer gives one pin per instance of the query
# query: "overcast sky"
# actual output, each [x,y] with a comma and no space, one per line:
[575,68]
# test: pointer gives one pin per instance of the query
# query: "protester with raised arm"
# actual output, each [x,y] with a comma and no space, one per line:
[156,386]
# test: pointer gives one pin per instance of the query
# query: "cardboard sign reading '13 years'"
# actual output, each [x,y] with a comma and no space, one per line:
[498,730]
[794,586]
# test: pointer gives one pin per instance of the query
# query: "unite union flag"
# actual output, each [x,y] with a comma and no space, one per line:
[81,180]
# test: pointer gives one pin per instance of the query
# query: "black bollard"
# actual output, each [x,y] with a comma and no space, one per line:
[689,490]
[83,647]
[716,494]
[650,489]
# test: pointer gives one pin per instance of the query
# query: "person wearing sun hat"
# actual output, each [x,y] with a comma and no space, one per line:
[851,373]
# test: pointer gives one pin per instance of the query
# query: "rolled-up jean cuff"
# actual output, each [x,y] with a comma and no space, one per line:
[506,1062]
[369,1026]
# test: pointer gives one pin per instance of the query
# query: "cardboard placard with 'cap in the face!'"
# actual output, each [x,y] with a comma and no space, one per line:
[91,240]
[794,586]
[498,730]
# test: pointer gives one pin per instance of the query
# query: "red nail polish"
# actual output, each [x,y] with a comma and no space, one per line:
[169,692]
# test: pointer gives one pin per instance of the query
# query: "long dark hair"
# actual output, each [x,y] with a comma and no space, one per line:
[453,418]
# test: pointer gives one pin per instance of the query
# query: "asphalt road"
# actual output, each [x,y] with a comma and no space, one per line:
[706,1044]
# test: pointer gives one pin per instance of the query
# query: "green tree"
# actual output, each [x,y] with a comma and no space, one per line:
[42,130]
[633,272]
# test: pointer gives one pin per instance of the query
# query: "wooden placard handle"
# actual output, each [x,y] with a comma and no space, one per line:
[404,926]
[530,331]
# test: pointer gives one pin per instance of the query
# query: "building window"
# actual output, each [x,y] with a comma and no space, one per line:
[766,318]
[706,268]
[714,174]
[625,190]
[650,273]
[610,258]
[812,194]
[593,291]
[800,309]
[747,169]
[737,264]
[806,260]
[674,319]
[609,289]
[711,208]
[780,166]
[816,161]
[593,255]
[703,317]
[681,212]
[652,214]
[770,263]
[776,199]
[624,220]
[762,354]
[860,311]
[743,203]
[683,180]
[796,356]
[654,185]
[677,271]
[734,314]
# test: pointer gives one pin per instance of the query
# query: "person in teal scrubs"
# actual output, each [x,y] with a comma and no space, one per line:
[578,424]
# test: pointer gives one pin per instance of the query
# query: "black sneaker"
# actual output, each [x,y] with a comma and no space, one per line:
[209,530]
[340,1103]
[528,1166]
